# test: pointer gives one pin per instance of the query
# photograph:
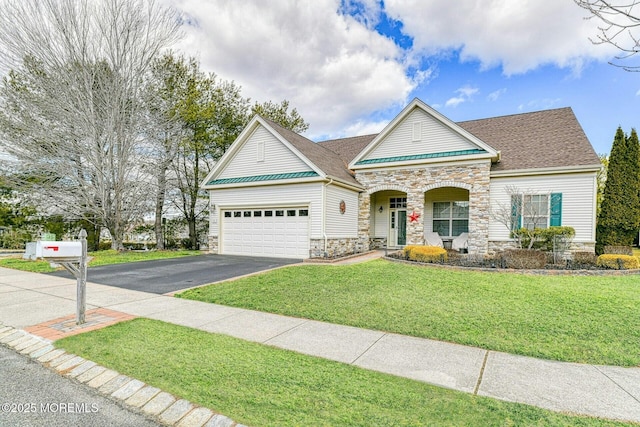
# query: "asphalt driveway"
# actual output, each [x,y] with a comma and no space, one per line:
[170,275]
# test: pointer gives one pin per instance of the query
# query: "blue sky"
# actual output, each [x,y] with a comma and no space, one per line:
[603,97]
[349,66]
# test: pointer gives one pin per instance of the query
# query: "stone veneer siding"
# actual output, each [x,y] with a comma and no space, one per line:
[415,183]
[377,243]
[213,244]
[335,247]
[498,246]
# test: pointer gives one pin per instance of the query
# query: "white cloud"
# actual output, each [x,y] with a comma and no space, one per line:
[365,11]
[331,67]
[344,77]
[540,104]
[493,96]
[519,36]
[638,92]
[465,94]
[454,102]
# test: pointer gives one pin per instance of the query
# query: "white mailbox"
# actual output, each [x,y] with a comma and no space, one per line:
[59,250]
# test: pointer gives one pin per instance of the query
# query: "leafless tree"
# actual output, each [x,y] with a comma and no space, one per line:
[523,215]
[164,132]
[620,26]
[71,106]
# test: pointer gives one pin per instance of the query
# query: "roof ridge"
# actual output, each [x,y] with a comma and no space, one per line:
[328,161]
[348,137]
[516,114]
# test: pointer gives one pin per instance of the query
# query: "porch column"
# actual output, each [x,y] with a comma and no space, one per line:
[415,210]
[479,216]
[364,220]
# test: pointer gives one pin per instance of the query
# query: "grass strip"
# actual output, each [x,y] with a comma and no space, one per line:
[98,258]
[569,318]
[264,386]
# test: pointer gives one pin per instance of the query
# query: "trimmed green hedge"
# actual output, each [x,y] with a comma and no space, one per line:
[421,253]
[618,262]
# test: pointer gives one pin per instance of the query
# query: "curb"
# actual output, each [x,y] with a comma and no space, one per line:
[133,394]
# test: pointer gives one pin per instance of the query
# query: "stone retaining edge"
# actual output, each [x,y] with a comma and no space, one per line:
[133,394]
[541,272]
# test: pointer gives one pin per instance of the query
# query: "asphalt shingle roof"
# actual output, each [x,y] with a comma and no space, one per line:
[348,148]
[542,139]
[328,161]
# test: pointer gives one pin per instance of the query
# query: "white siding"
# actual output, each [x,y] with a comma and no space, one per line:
[435,138]
[277,157]
[341,225]
[271,196]
[380,220]
[578,201]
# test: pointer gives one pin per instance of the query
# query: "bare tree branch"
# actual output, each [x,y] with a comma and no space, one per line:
[620,27]
[72,111]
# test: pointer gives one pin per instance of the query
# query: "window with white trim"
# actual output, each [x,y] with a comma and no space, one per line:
[397,202]
[536,210]
[451,219]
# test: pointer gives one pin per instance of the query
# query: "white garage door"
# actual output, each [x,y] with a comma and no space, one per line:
[277,232]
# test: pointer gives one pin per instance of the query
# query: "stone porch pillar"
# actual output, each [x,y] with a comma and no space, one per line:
[415,207]
[364,221]
[479,216]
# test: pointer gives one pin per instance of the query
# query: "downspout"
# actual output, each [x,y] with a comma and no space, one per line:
[324,214]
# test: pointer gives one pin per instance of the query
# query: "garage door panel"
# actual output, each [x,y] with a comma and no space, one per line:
[280,232]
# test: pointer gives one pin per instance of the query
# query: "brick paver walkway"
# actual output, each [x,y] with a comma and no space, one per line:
[66,326]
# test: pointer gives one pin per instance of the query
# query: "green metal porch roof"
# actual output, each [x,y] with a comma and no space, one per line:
[257,178]
[422,156]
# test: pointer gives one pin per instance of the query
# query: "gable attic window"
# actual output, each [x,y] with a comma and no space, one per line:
[417,132]
[260,151]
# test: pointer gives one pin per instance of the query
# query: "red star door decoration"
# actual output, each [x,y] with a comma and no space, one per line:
[414,216]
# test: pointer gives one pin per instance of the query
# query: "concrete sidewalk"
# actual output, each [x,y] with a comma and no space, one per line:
[29,299]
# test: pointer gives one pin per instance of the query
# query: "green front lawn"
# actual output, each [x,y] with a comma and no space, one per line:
[97,258]
[570,318]
[264,386]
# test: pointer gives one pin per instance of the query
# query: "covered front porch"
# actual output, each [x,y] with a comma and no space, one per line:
[402,216]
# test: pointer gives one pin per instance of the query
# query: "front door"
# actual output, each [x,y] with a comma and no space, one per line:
[402,228]
[398,222]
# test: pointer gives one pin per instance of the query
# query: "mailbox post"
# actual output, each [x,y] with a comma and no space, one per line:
[73,257]
[81,286]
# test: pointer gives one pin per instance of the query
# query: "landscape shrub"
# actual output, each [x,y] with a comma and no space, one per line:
[562,235]
[587,259]
[104,245]
[137,246]
[15,239]
[618,262]
[543,238]
[620,250]
[524,259]
[421,253]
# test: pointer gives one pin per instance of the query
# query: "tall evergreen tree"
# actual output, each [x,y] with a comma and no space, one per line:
[619,218]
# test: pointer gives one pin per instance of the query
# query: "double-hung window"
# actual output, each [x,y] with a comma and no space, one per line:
[451,219]
[536,210]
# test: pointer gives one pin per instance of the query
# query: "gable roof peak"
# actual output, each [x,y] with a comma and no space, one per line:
[326,160]
[417,103]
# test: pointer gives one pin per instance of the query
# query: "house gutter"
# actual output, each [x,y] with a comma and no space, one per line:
[324,214]
[546,171]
